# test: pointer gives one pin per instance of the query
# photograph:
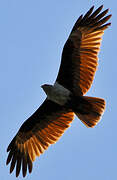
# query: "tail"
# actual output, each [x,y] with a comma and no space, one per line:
[91,110]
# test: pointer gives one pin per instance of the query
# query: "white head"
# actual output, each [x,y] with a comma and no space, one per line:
[56,93]
[47,88]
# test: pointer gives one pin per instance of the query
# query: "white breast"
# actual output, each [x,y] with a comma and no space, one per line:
[59,94]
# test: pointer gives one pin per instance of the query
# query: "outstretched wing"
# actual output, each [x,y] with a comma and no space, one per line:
[79,57]
[41,130]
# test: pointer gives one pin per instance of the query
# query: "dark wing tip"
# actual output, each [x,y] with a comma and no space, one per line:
[108,24]
[18,159]
[107,10]
[96,19]
[9,158]
[30,166]
[77,23]
[91,17]
[109,16]
[89,11]
[100,7]
[11,144]
[92,7]
[26,163]
[9,147]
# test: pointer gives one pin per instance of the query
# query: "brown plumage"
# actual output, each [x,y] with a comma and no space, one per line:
[78,66]
[43,128]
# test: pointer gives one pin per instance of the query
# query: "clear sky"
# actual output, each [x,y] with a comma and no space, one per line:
[32,35]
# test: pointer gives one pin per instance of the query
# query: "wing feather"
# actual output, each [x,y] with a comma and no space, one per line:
[18,164]
[41,130]
[80,53]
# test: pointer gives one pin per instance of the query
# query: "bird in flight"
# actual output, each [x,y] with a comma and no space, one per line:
[66,97]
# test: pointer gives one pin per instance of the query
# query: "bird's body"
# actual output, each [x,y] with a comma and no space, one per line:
[66,97]
[63,97]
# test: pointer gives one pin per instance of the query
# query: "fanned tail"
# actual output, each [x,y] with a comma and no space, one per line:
[91,111]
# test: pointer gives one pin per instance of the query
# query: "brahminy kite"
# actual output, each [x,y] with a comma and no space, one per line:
[66,97]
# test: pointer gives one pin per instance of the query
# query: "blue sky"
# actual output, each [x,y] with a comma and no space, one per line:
[32,36]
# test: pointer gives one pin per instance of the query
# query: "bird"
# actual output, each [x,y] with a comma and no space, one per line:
[66,97]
